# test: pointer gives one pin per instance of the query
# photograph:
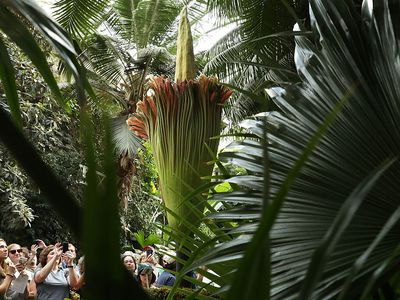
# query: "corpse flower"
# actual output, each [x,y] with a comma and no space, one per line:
[179,119]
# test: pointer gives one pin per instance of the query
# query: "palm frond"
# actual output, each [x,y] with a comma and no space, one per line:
[243,54]
[19,32]
[351,58]
[145,22]
[7,76]
[125,141]
[106,58]
[78,17]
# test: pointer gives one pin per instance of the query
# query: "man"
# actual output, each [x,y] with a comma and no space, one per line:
[169,263]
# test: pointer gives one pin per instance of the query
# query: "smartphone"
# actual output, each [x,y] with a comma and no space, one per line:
[149,252]
[65,247]
[36,242]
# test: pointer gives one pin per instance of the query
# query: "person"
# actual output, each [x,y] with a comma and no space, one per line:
[146,276]
[23,286]
[129,263]
[149,256]
[7,269]
[72,252]
[169,263]
[31,264]
[81,279]
[53,282]
[77,290]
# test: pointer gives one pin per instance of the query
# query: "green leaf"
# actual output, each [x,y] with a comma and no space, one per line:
[102,211]
[359,263]
[17,31]
[7,76]
[125,141]
[339,225]
[80,18]
[49,184]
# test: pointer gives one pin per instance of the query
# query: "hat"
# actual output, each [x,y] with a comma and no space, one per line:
[149,248]
[169,257]
[128,253]
[145,269]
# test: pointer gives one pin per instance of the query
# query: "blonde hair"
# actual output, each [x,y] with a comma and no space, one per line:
[12,245]
[3,263]
[81,264]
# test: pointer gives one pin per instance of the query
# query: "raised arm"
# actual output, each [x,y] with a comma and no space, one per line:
[9,271]
[34,248]
[42,274]
[72,277]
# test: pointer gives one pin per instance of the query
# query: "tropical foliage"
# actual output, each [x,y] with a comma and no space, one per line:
[99,201]
[120,46]
[24,214]
[257,52]
[318,219]
[316,215]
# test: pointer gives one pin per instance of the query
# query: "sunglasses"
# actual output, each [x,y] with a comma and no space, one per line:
[15,251]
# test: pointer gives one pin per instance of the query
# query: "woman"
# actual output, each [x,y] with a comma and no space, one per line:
[22,287]
[146,277]
[129,263]
[53,282]
[151,258]
[7,270]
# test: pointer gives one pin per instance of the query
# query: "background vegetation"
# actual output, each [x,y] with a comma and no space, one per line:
[314,212]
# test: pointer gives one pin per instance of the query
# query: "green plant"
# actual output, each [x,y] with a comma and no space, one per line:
[179,120]
[143,241]
[319,217]
[257,52]
[51,187]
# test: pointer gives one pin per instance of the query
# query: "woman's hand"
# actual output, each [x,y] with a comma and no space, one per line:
[34,248]
[40,244]
[10,269]
[20,267]
[149,259]
[69,258]
[58,250]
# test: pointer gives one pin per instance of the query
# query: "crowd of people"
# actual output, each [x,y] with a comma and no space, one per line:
[51,272]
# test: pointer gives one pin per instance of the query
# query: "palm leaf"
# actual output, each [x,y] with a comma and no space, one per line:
[124,140]
[339,225]
[7,78]
[244,44]
[106,58]
[102,209]
[14,140]
[80,18]
[24,39]
[354,58]
[145,22]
